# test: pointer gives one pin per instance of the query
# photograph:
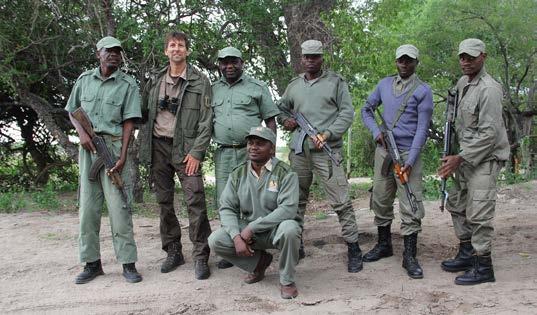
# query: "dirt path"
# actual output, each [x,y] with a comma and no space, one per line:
[39,263]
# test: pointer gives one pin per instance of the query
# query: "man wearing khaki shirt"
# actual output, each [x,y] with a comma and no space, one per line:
[177,133]
[483,149]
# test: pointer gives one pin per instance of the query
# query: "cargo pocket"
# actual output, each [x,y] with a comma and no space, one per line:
[189,136]
[420,213]
[483,203]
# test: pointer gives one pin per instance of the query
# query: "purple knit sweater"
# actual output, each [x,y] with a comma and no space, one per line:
[411,129]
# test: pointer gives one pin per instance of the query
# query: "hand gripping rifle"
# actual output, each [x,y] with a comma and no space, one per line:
[105,159]
[451,114]
[307,129]
[398,162]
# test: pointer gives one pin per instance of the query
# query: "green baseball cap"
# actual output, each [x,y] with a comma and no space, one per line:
[312,47]
[409,50]
[229,52]
[262,132]
[108,42]
[472,46]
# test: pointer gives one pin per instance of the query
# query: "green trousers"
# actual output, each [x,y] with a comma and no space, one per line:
[386,186]
[225,160]
[286,238]
[334,183]
[91,198]
[472,203]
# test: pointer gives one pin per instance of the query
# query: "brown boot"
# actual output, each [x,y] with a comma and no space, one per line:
[259,272]
[289,291]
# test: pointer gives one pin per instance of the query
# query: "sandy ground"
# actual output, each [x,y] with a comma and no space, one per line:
[39,264]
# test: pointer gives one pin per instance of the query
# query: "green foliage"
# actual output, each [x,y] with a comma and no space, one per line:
[11,201]
[46,198]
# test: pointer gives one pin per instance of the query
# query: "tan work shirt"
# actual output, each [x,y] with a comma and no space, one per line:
[481,132]
[165,120]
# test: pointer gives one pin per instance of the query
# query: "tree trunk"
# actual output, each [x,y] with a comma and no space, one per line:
[304,22]
[44,111]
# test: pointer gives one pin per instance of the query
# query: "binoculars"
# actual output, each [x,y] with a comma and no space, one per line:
[169,104]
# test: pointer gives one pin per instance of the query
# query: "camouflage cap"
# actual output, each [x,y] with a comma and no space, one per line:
[108,42]
[262,132]
[229,52]
[409,50]
[472,46]
[312,47]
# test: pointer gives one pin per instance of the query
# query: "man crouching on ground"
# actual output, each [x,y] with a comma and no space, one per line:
[258,210]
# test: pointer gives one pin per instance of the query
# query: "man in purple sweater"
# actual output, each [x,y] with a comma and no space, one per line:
[408,107]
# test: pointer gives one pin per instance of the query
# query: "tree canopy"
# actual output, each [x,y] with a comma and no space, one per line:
[45,45]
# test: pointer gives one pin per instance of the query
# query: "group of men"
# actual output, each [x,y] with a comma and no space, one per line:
[262,200]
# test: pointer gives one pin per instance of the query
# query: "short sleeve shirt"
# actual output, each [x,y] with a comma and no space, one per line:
[108,102]
[238,107]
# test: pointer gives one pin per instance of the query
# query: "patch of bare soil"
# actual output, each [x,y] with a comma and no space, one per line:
[39,264]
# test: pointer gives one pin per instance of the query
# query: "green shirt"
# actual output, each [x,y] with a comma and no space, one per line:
[108,102]
[325,102]
[238,107]
[480,128]
[261,203]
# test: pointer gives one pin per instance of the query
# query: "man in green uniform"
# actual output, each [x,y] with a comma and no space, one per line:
[322,96]
[240,102]
[483,149]
[408,107]
[259,211]
[111,100]
[177,104]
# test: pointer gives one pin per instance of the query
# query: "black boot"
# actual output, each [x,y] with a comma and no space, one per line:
[201,269]
[174,259]
[301,252]
[131,274]
[481,271]
[410,263]
[91,271]
[384,246]
[224,264]
[355,257]
[463,261]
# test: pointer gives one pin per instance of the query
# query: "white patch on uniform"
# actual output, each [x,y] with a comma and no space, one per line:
[273,185]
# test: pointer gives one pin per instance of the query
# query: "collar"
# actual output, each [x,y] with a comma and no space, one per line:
[399,80]
[97,74]
[303,76]
[267,167]
[169,78]
[478,77]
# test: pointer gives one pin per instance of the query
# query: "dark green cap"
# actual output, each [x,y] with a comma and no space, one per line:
[108,42]
[262,132]
[229,52]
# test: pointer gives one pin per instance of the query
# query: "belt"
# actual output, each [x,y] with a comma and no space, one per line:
[234,146]
[165,139]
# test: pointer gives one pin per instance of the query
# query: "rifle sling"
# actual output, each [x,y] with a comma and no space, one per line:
[402,108]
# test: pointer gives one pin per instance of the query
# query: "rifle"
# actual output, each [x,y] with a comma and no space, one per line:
[451,114]
[397,160]
[307,129]
[105,159]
